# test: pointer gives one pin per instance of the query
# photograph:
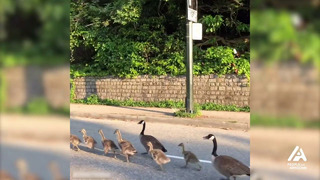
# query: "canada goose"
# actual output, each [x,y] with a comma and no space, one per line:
[144,139]
[189,157]
[22,167]
[4,175]
[88,139]
[75,141]
[158,156]
[55,171]
[107,144]
[126,147]
[226,165]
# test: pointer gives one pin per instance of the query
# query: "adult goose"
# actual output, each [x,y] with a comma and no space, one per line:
[108,145]
[126,146]
[226,165]
[144,139]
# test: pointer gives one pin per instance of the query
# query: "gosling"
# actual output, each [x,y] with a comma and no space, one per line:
[108,144]
[75,141]
[158,156]
[126,147]
[55,171]
[189,157]
[4,175]
[89,140]
[22,167]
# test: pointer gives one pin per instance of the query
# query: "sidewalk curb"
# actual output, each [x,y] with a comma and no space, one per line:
[198,122]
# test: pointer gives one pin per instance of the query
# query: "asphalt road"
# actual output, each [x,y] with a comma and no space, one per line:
[37,160]
[94,164]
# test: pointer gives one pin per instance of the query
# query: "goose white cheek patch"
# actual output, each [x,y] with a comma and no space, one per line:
[211,138]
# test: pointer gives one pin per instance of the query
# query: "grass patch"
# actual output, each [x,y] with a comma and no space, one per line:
[219,107]
[94,99]
[184,114]
[289,121]
[39,106]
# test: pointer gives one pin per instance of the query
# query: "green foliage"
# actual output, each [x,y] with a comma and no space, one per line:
[35,32]
[39,106]
[94,99]
[137,37]
[219,107]
[72,90]
[289,121]
[2,91]
[220,60]
[212,23]
[127,12]
[275,38]
[184,114]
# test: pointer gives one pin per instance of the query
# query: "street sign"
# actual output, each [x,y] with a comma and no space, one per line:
[197,31]
[192,15]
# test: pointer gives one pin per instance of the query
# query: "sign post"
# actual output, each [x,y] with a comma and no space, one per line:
[191,16]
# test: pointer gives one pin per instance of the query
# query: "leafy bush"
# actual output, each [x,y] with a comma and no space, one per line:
[276,39]
[131,38]
[34,32]
[286,121]
[184,114]
[212,106]
[94,99]
[38,106]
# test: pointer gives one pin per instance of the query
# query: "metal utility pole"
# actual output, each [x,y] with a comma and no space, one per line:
[189,98]
[191,16]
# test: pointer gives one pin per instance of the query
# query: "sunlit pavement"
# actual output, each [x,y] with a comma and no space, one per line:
[94,163]
[271,148]
[39,140]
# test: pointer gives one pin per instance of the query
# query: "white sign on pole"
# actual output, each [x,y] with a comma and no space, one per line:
[192,15]
[196,31]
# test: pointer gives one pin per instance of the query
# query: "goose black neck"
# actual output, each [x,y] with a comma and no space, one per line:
[215,147]
[144,127]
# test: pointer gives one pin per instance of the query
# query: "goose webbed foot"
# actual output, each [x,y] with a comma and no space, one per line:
[199,168]
[161,168]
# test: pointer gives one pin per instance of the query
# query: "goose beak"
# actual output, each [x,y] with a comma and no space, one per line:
[205,137]
[115,131]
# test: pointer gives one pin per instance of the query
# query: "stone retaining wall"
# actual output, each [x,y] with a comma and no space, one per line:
[228,89]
